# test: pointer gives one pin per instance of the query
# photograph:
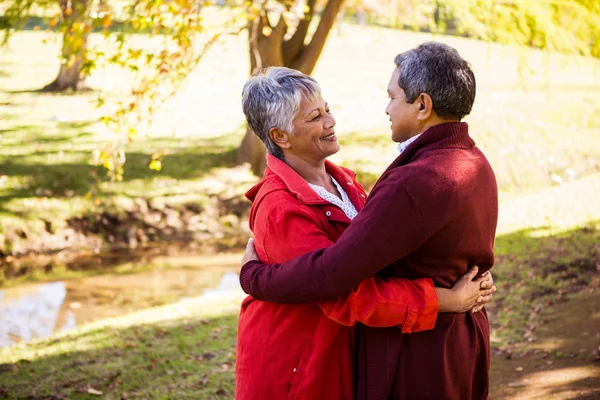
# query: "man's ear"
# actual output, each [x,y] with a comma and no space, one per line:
[424,106]
[280,138]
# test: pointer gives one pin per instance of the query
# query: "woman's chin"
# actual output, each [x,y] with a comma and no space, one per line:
[335,148]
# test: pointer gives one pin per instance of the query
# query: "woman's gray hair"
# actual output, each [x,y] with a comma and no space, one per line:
[438,70]
[271,99]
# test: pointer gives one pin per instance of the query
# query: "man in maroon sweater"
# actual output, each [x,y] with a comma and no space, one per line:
[433,213]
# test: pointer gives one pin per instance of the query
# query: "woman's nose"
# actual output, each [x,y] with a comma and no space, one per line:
[330,121]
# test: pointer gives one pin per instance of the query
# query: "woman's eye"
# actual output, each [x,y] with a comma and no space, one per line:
[328,111]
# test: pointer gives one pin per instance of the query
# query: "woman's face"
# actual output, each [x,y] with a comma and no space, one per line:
[314,134]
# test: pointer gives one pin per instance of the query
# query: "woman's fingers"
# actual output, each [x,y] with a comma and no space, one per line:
[486,296]
[476,309]
[486,280]
[471,273]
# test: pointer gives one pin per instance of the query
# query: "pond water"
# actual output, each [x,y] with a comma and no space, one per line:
[31,311]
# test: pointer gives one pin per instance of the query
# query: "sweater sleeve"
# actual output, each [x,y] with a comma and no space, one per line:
[391,226]
[288,231]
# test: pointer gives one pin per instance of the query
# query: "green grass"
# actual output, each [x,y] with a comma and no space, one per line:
[186,350]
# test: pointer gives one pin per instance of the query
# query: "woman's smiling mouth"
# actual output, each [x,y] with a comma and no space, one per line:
[330,138]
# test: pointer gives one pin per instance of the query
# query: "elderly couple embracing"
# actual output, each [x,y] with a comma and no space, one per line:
[368,298]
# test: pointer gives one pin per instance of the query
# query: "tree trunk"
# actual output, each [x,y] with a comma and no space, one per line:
[74,46]
[273,51]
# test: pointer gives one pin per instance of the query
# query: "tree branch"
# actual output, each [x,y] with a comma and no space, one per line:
[307,60]
[294,46]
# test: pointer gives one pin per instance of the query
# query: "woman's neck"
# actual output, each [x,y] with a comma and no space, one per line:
[312,171]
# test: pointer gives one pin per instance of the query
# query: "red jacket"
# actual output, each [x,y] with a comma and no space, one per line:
[433,213]
[305,351]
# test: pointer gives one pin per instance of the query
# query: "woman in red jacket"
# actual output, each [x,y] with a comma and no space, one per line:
[304,202]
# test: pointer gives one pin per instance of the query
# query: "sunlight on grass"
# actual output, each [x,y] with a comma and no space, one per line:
[553,210]
[561,377]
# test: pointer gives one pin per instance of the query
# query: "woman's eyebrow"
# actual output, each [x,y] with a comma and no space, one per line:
[317,109]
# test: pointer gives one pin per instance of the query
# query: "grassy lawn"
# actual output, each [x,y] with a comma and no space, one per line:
[536,117]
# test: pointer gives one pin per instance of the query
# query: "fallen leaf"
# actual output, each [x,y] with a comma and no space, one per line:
[93,391]
[519,369]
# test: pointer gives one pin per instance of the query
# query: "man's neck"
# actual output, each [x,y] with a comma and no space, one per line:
[433,121]
[312,171]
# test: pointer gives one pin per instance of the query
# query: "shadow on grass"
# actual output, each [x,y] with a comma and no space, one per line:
[184,358]
[560,361]
[185,160]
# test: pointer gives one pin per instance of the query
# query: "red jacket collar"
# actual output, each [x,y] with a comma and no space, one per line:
[279,175]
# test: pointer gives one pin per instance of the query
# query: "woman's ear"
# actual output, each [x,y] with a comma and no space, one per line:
[425,106]
[280,138]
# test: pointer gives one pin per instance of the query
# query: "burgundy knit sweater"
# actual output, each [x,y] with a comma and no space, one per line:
[433,213]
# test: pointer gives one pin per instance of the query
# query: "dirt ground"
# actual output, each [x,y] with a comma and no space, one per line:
[563,362]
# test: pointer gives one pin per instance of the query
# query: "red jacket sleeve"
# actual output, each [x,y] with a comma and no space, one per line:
[286,230]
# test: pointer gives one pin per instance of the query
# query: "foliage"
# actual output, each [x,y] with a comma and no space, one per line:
[557,25]
[186,29]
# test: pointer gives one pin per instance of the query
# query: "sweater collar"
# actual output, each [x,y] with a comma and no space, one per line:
[442,136]
[295,184]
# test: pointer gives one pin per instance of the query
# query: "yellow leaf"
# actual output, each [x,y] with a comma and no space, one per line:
[267,30]
[155,165]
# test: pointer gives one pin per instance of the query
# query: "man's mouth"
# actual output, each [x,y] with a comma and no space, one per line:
[329,138]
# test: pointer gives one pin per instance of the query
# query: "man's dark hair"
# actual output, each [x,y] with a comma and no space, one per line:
[438,70]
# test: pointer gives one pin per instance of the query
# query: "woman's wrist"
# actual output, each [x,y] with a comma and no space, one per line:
[446,300]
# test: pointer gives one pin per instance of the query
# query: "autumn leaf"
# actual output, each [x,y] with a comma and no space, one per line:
[93,391]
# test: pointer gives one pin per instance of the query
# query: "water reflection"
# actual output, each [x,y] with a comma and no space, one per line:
[35,314]
[36,311]
[229,283]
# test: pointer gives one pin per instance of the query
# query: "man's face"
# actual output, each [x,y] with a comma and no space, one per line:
[403,115]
